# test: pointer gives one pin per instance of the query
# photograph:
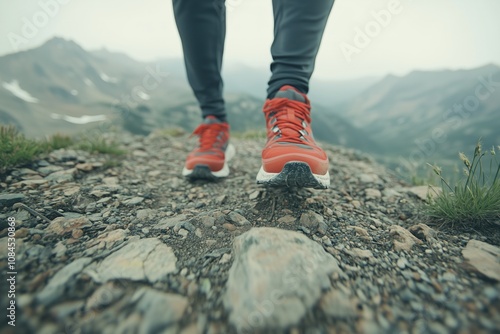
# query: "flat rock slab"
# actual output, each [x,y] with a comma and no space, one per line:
[485,258]
[276,277]
[7,200]
[58,284]
[140,260]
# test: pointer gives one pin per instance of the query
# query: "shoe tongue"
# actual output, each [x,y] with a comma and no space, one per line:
[288,92]
[211,120]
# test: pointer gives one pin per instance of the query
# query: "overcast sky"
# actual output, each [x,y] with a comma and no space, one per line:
[421,34]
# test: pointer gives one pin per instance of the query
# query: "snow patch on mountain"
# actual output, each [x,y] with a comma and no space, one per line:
[17,91]
[143,95]
[84,119]
[88,82]
[107,78]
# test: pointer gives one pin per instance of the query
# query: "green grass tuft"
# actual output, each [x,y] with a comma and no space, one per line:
[58,141]
[15,149]
[474,202]
[99,145]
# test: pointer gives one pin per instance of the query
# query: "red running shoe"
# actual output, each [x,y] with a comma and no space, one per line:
[209,160]
[291,158]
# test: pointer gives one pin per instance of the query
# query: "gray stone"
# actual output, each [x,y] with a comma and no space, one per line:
[64,155]
[140,260]
[404,240]
[225,258]
[43,163]
[57,284]
[91,207]
[134,201]
[491,293]
[402,263]
[49,169]
[159,310]
[362,233]
[26,171]
[207,221]
[311,219]
[103,296]
[288,219]
[254,195]
[423,192]
[62,176]
[338,305]
[59,249]
[451,322]
[167,223]
[360,253]
[450,277]
[108,239]
[238,219]
[276,277]
[185,225]
[424,232]
[63,225]
[145,214]
[484,258]
[7,200]
[369,178]
[389,193]
[371,193]
[31,183]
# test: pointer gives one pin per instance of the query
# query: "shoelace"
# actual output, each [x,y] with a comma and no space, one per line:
[290,129]
[208,134]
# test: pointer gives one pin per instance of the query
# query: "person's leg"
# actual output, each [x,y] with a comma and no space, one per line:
[298,29]
[291,158]
[202,28]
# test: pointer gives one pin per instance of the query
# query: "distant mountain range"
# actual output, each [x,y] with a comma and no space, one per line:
[60,87]
[430,115]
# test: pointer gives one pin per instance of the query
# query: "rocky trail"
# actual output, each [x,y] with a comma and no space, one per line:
[102,247]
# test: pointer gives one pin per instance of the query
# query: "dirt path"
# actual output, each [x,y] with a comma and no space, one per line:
[136,249]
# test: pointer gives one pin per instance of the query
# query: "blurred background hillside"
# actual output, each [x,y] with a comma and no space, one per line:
[408,82]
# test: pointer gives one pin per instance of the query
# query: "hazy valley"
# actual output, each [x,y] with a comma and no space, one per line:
[417,118]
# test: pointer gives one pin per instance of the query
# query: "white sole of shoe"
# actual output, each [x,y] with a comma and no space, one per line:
[203,172]
[295,174]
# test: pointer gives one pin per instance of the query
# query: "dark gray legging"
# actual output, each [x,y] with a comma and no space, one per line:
[298,29]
